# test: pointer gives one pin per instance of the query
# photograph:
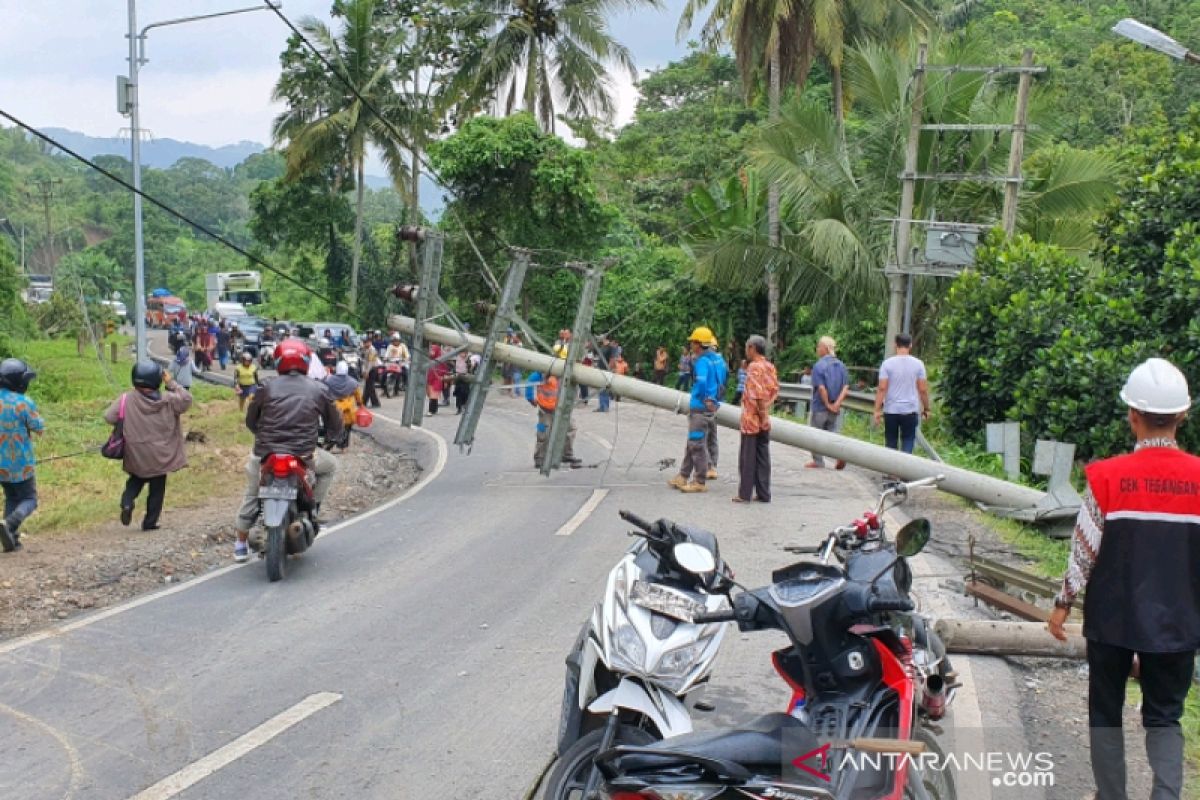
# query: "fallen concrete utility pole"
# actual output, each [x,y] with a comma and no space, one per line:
[994,638]
[961,482]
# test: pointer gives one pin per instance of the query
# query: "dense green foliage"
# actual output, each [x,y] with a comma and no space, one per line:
[1040,337]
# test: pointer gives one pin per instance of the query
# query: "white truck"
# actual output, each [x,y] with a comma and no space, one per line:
[242,288]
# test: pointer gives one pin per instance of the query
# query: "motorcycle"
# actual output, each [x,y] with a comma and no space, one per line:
[862,705]
[266,355]
[395,375]
[640,654]
[354,362]
[285,493]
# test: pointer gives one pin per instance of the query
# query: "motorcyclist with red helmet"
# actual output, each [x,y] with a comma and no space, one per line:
[283,417]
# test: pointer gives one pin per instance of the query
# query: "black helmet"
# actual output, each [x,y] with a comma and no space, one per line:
[147,374]
[15,375]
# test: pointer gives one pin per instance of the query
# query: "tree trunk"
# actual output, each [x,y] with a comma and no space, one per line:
[773,217]
[839,103]
[531,80]
[358,238]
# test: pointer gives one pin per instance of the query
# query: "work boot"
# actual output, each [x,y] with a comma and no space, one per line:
[678,482]
[126,515]
[8,539]
[693,488]
[712,474]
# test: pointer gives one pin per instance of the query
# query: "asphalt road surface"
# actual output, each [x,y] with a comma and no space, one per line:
[412,653]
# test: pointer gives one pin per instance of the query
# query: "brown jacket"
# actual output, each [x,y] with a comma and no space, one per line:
[153,433]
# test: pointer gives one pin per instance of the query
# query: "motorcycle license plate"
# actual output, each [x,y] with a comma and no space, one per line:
[277,492]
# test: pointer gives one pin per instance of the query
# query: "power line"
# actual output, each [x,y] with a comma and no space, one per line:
[177,215]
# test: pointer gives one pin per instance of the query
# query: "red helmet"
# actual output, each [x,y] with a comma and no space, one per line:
[291,355]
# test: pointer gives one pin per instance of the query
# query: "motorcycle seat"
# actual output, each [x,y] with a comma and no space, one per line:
[762,743]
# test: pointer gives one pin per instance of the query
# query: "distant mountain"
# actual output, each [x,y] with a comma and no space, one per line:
[163,153]
[160,153]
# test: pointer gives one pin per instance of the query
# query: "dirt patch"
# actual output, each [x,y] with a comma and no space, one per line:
[1052,692]
[58,575]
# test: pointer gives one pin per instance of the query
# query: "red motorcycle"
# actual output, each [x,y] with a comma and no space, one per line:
[285,493]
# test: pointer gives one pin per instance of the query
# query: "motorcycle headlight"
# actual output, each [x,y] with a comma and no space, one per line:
[675,665]
[629,651]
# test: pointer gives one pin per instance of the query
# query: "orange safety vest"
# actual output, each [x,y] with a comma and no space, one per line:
[547,393]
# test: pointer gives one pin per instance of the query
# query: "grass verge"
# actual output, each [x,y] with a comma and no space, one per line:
[77,487]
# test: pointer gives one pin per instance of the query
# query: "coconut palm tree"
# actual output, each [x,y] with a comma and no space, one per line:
[836,192]
[325,123]
[540,55]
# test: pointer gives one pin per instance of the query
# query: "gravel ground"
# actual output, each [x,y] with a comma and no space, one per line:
[1051,693]
[59,575]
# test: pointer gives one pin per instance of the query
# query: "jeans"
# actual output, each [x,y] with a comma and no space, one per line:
[516,380]
[583,393]
[154,499]
[223,356]
[1166,678]
[684,382]
[605,399]
[824,420]
[20,500]
[902,427]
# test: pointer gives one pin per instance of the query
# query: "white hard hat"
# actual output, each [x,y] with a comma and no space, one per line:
[395,337]
[1156,386]
[324,342]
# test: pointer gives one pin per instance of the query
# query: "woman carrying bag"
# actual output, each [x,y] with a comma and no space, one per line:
[152,437]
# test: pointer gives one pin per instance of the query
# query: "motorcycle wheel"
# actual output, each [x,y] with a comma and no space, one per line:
[276,554]
[938,783]
[571,773]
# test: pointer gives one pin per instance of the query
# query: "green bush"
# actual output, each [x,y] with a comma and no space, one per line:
[1037,336]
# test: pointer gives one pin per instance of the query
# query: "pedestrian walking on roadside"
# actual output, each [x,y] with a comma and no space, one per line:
[153,433]
[224,345]
[754,457]
[741,382]
[203,346]
[709,375]
[245,379]
[902,397]
[683,381]
[372,368]
[181,367]
[830,385]
[1136,548]
[434,379]
[19,423]
[542,394]
[661,361]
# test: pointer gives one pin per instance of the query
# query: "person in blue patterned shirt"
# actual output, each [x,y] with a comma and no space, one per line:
[19,420]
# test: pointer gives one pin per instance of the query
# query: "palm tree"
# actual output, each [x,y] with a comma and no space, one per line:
[326,123]
[540,53]
[784,37]
[835,192]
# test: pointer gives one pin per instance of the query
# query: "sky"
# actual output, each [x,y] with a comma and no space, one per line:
[207,82]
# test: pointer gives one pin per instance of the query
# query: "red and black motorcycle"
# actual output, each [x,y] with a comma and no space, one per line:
[862,707]
[285,493]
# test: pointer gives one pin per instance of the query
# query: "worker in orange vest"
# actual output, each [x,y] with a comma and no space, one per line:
[542,394]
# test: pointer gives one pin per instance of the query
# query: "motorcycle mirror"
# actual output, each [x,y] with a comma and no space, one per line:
[913,537]
[694,558]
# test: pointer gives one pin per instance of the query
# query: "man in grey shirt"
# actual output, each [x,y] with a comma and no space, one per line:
[831,384]
[902,398]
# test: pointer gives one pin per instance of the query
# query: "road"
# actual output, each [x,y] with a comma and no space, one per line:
[413,653]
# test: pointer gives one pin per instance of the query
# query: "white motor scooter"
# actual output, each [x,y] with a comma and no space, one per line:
[640,654]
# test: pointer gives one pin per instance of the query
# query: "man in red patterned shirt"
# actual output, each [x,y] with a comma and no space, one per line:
[754,459]
[1137,550]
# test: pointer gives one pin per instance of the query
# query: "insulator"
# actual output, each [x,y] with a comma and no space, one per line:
[407,292]
[410,233]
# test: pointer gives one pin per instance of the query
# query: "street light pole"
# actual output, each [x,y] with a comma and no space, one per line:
[135,154]
[130,104]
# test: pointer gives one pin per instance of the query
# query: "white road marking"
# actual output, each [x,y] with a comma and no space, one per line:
[583,513]
[199,770]
[600,440]
[41,636]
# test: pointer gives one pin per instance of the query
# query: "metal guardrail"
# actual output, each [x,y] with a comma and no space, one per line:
[799,396]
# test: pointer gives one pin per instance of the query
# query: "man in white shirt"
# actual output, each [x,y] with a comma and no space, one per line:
[902,398]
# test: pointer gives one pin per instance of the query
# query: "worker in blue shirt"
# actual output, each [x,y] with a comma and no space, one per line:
[709,375]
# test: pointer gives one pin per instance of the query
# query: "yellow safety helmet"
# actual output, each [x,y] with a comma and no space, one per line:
[704,336]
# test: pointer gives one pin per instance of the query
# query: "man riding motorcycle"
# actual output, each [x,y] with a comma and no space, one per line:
[283,417]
